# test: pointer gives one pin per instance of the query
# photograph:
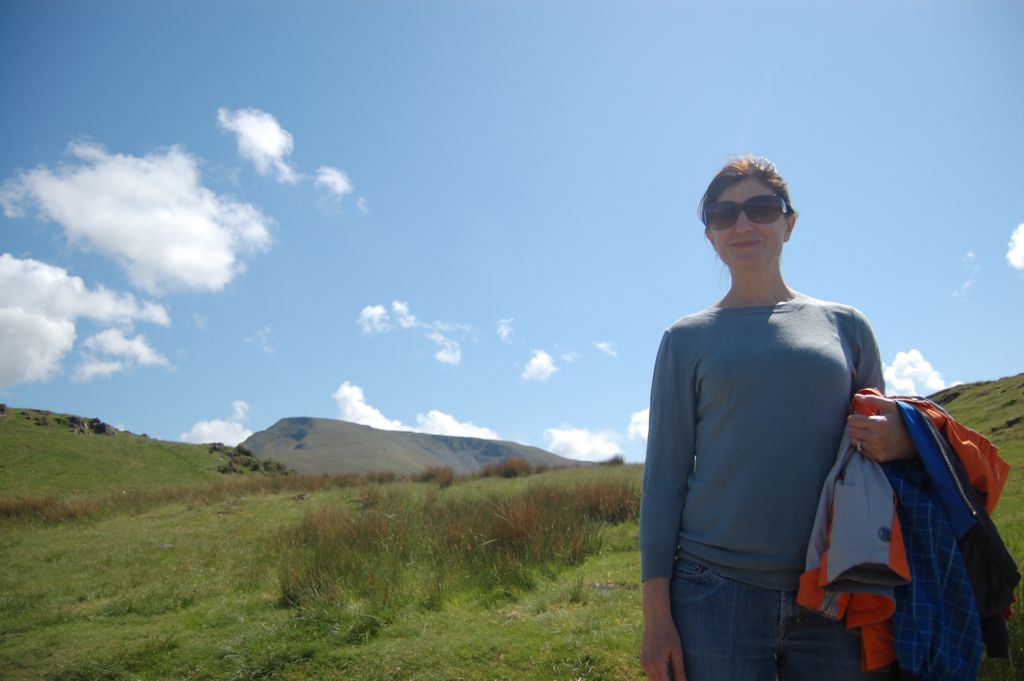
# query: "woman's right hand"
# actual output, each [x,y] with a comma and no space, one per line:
[662,653]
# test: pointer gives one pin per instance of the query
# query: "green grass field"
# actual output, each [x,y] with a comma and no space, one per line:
[196,592]
[253,583]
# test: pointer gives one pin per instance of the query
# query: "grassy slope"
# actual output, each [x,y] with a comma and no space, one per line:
[54,460]
[191,592]
[996,410]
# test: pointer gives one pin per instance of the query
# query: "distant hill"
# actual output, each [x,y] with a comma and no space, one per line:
[311,445]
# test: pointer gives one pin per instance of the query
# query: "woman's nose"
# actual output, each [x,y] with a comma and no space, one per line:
[743,222]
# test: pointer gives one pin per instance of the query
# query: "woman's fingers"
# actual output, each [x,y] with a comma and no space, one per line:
[662,654]
[677,666]
[882,436]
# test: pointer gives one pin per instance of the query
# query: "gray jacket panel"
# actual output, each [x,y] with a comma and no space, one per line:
[853,524]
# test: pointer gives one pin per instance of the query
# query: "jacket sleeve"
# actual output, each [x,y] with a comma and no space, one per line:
[669,460]
[987,470]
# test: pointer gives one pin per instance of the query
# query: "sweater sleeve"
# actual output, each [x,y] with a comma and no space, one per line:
[669,460]
[869,359]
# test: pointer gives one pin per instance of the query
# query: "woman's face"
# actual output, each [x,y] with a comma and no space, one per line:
[747,245]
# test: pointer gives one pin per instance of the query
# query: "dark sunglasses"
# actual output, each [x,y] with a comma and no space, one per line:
[758,209]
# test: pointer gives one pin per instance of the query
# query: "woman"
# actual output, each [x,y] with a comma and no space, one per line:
[748,405]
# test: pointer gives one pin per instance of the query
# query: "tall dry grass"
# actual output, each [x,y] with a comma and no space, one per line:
[52,509]
[405,550]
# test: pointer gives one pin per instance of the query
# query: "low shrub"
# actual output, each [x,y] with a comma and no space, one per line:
[513,466]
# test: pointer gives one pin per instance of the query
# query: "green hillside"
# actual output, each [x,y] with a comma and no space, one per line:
[993,408]
[311,445]
[48,454]
[996,410]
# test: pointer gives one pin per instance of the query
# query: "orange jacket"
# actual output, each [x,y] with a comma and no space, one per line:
[987,471]
[870,611]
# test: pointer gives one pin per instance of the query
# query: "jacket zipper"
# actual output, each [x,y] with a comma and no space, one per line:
[940,443]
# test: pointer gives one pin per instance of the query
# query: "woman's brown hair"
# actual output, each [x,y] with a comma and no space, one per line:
[741,168]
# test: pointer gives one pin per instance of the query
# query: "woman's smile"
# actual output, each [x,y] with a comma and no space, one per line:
[745,243]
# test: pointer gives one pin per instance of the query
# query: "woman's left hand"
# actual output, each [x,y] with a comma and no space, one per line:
[883,436]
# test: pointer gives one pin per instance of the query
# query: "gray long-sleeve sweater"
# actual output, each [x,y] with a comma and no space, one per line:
[748,406]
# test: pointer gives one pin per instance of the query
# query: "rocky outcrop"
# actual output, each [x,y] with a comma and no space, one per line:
[76,424]
[240,458]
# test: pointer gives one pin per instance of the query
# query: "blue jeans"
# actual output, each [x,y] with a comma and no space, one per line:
[734,631]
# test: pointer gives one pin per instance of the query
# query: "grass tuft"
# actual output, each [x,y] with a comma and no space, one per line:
[444,476]
[511,467]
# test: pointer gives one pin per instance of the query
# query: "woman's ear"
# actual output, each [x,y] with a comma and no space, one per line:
[711,239]
[790,224]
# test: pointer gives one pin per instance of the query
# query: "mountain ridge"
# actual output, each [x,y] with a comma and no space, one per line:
[319,445]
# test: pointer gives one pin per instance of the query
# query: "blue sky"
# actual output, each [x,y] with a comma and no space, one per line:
[478,217]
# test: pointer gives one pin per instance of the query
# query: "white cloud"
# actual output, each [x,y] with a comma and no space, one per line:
[31,345]
[51,292]
[570,357]
[262,140]
[448,351]
[262,340]
[229,431]
[406,319]
[217,430]
[352,406]
[1015,249]
[240,410]
[440,423]
[39,307]
[970,262]
[122,353]
[505,330]
[150,214]
[95,368]
[638,422]
[540,367]
[198,320]
[607,348]
[582,444]
[135,350]
[363,205]
[373,319]
[911,374]
[333,180]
